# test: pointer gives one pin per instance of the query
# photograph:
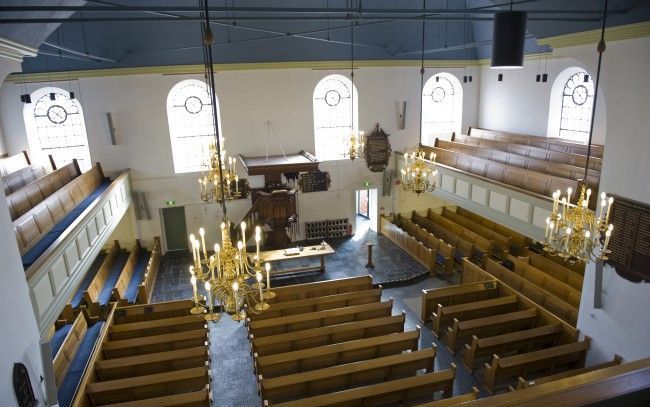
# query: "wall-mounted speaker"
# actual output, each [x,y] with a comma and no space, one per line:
[387,182]
[48,373]
[141,206]
[111,127]
[401,115]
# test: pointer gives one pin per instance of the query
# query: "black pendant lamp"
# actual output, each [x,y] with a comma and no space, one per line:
[508,39]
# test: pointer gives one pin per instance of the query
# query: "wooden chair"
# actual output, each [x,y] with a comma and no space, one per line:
[281,364]
[400,392]
[327,335]
[350,375]
[317,319]
[573,355]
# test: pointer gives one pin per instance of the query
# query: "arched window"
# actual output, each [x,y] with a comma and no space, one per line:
[191,127]
[442,107]
[334,116]
[577,102]
[55,126]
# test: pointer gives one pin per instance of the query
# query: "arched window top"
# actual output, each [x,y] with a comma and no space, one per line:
[336,114]
[191,126]
[577,103]
[442,107]
[55,126]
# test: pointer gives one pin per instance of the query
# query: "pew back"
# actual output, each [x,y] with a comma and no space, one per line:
[16,180]
[457,294]
[318,289]
[14,163]
[68,349]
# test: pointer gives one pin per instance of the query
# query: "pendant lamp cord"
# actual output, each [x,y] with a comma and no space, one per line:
[213,100]
[601,48]
[352,71]
[424,2]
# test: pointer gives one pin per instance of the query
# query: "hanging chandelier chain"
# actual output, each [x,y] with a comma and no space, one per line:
[424,2]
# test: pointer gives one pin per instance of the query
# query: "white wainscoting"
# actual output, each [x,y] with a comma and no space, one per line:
[517,210]
[53,278]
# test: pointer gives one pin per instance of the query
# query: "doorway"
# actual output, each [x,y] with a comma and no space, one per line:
[175,228]
[366,211]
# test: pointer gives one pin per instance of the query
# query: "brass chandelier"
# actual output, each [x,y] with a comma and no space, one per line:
[231,280]
[574,232]
[419,174]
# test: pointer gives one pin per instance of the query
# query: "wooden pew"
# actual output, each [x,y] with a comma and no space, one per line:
[321,288]
[150,312]
[482,247]
[156,327]
[520,341]
[518,241]
[423,245]
[453,401]
[539,295]
[281,364]
[456,294]
[122,284]
[350,375]
[63,358]
[200,398]
[523,383]
[29,196]
[462,248]
[154,344]
[400,392]
[445,315]
[16,180]
[317,319]
[287,308]
[136,281]
[14,163]
[558,288]
[145,289]
[92,293]
[42,218]
[501,243]
[144,387]
[488,326]
[327,335]
[556,270]
[572,354]
[548,143]
[546,261]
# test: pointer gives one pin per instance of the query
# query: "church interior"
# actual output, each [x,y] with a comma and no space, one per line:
[324,203]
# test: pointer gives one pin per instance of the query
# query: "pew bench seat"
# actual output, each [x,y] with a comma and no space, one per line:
[78,297]
[201,398]
[68,386]
[107,290]
[31,255]
[58,338]
[138,276]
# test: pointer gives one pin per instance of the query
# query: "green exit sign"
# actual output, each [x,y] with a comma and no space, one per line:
[366,183]
[171,202]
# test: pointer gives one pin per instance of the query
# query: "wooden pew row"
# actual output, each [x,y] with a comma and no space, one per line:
[501,243]
[283,309]
[136,281]
[529,163]
[14,163]
[439,254]
[489,326]
[456,294]
[517,342]
[539,295]
[42,218]
[529,182]
[523,383]
[453,401]
[347,376]
[462,248]
[555,266]
[292,323]
[444,315]
[423,252]
[282,364]
[483,247]
[547,360]
[29,196]
[471,273]
[327,335]
[150,355]
[319,289]
[565,289]
[400,392]
[98,293]
[549,143]
[518,241]
[16,180]
[608,385]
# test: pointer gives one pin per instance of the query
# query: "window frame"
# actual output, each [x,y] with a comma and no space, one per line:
[433,128]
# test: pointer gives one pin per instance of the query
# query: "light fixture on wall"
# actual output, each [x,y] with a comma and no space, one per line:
[357,138]
[508,39]
[420,175]
[573,231]
[229,277]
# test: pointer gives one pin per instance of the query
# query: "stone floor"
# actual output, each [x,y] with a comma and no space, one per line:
[234,383]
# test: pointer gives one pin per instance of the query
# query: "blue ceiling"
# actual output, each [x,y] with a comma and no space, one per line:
[378,35]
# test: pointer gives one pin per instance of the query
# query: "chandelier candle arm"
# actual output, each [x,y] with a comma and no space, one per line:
[195,295]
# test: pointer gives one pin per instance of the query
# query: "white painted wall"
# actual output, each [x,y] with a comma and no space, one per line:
[19,338]
[247,100]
